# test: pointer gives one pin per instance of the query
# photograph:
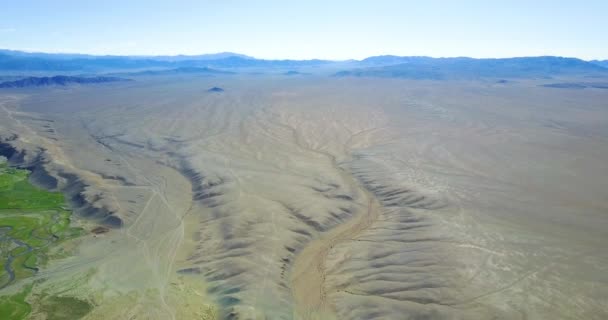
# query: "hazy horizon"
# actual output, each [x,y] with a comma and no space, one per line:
[235,53]
[338,31]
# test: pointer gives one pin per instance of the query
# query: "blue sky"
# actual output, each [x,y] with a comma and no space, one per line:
[309,29]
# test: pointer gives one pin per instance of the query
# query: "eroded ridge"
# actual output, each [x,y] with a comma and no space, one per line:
[338,199]
[250,225]
[394,264]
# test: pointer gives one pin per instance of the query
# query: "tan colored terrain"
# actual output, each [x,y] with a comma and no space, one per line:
[325,198]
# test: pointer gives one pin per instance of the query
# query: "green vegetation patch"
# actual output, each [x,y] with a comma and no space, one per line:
[31,221]
[64,308]
[15,307]
[16,192]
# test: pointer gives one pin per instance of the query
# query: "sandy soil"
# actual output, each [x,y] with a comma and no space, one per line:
[325,198]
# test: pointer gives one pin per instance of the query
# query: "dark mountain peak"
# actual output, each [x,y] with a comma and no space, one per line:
[215,89]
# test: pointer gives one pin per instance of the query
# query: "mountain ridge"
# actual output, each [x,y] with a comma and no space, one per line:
[11,60]
[601,63]
[467,68]
[413,67]
[58,81]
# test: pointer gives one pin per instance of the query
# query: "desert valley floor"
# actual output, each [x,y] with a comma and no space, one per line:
[323,198]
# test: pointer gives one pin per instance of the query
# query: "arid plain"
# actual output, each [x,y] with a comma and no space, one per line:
[315,197]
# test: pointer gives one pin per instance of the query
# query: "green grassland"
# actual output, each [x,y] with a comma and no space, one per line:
[32,220]
[15,307]
[18,194]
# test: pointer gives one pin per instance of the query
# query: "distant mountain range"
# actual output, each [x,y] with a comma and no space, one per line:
[469,68]
[178,71]
[602,63]
[416,67]
[57,81]
[71,56]
[22,61]
[577,85]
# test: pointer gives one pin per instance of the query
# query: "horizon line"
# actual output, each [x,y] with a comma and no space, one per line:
[35,51]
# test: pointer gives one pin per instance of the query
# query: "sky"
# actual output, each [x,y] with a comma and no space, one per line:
[309,29]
